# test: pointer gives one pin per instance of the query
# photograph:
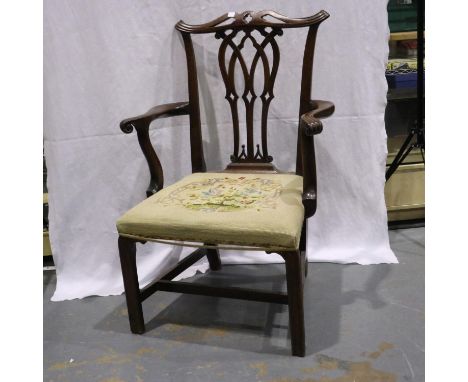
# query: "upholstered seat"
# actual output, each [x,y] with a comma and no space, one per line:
[262,211]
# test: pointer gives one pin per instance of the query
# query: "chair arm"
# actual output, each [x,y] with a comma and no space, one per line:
[141,124]
[160,111]
[319,109]
[310,125]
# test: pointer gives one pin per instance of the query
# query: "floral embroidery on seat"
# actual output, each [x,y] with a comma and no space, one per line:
[225,194]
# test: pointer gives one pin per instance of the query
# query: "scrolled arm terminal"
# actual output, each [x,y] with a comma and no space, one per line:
[160,111]
[319,109]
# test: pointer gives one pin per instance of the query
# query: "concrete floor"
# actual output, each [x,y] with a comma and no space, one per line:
[363,324]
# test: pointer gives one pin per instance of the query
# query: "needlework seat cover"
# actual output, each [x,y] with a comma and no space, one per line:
[261,211]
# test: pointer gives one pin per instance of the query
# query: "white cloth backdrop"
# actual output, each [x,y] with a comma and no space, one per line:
[107,60]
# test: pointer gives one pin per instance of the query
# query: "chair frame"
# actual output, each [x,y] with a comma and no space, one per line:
[248,161]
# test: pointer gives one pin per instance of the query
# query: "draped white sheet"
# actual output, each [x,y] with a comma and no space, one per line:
[107,60]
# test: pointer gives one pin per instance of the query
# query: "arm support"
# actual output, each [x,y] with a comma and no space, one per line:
[310,125]
[141,124]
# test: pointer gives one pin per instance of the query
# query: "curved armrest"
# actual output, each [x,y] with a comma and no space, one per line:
[311,121]
[141,124]
[160,111]
[309,126]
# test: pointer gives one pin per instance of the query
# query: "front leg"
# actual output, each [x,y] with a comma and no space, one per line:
[127,252]
[295,284]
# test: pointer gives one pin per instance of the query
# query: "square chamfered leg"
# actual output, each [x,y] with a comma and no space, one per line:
[127,252]
[295,283]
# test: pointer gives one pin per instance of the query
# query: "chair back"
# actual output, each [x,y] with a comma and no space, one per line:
[235,31]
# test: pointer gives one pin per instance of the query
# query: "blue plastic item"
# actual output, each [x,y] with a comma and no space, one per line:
[403,80]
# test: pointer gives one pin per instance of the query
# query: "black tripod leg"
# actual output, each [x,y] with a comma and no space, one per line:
[403,157]
[398,158]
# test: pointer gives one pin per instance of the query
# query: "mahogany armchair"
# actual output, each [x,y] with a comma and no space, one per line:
[248,205]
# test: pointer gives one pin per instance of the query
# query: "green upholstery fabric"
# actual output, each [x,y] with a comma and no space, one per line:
[254,210]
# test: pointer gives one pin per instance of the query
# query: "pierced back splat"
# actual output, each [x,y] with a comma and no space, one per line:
[245,26]
[227,65]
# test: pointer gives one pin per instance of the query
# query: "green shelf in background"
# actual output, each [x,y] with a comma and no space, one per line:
[402,15]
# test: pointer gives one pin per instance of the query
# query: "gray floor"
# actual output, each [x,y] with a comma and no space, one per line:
[363,324]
